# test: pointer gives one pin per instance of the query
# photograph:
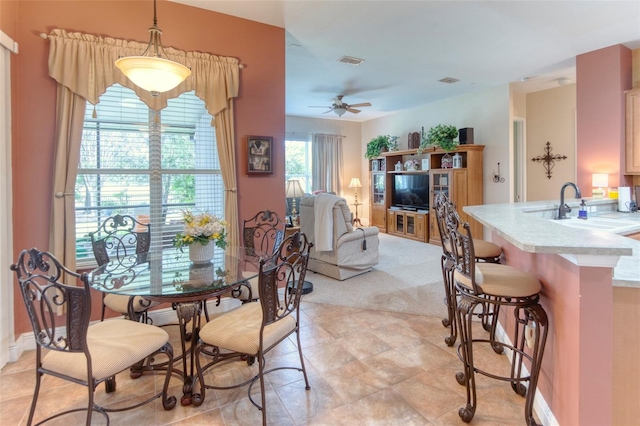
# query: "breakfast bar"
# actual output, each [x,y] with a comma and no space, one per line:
[590,271]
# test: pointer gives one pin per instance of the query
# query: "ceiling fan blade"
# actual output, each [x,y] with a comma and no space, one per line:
[328,111]
[355,111]
[318,106]
[365,104]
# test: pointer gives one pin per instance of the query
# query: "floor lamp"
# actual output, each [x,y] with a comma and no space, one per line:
[355,183]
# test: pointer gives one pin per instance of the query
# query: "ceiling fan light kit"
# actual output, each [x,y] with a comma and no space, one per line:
[339,107]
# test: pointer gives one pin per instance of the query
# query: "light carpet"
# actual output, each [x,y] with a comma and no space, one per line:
[407,279]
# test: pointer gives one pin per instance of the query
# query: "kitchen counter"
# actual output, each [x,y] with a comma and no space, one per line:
[531,228]
[590,275]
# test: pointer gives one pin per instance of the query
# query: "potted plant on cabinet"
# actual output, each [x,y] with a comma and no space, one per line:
[441,136]
[377,145]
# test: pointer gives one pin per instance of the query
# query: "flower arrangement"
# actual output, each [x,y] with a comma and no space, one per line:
[412,164]
[201,228]
[441,136]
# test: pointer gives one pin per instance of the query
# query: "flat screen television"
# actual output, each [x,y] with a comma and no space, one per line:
[411,191]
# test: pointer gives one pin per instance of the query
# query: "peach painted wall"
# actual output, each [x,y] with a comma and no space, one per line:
[9,17]
[259,109]
[577,367]
[551,117]
[602,77]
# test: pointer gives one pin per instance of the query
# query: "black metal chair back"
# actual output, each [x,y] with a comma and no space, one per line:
[121,238]
[288,264]
[39,276]
[263,233]
[121,241]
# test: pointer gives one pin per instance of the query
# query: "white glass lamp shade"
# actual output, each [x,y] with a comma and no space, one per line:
[154,74]
[598,181]
[339,111]
[355,183]
[294,189]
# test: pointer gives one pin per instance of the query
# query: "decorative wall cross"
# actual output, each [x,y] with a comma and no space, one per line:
[548,160]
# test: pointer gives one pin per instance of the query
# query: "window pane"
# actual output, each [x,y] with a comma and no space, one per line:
[147,164]
[298,162]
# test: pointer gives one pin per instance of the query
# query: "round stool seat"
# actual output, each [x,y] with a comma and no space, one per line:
[486,250]
[483,249]
[501,281]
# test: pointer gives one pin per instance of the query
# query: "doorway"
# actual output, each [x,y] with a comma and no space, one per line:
[519,162]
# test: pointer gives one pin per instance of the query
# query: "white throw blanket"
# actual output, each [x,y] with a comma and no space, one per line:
[323,226]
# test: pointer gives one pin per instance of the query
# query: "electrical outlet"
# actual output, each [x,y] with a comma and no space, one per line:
[591,209]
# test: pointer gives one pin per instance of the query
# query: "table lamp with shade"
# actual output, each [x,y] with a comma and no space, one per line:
[294,190]
[355,183]
[598,182]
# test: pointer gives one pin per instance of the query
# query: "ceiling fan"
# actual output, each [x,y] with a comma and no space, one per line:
[340,107]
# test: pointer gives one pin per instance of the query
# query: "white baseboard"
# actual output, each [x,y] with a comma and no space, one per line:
[540,406]
[164,316]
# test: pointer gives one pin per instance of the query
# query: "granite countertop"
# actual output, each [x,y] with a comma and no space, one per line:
[531,228]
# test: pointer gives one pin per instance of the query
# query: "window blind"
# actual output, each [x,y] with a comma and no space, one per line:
[152,165]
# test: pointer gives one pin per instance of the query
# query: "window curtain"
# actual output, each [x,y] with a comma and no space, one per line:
[84,66]
[7,48]
[326,167]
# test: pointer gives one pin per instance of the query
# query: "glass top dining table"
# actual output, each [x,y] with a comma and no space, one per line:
[169,276]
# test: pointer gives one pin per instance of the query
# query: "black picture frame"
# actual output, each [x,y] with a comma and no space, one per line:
[259,155]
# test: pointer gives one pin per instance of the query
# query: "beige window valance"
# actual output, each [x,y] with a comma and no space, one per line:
[85,64]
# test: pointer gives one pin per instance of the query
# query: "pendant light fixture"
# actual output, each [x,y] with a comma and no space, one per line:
[152,70]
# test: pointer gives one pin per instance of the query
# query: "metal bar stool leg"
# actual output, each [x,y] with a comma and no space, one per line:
[464,312]
[450,295]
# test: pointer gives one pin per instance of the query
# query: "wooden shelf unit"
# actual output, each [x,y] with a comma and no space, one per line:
[463,186]
[408,224]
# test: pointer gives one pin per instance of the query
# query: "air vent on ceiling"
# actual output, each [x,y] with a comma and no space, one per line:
[350,60]
[449,80]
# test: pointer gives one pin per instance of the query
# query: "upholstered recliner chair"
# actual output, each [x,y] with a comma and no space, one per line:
[339,250]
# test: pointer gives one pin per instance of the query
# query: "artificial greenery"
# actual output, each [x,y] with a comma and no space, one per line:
[441,136]
[375,146]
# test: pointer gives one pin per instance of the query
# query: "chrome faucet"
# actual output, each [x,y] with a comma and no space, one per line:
[564,209]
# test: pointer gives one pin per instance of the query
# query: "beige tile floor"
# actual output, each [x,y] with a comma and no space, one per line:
[365,367]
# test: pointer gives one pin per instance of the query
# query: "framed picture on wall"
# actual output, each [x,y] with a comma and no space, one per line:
[259,155]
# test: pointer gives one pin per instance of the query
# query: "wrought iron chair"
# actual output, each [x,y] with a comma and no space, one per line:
[123,240]
[261,235]
[485,252]
[69,348]
[507,287]
[253,329]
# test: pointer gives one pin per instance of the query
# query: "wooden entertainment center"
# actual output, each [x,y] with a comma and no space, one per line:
[463,185]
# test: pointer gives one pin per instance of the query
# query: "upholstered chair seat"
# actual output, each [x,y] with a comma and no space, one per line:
[253,329]
[498,280]
[120,303]
[114,346]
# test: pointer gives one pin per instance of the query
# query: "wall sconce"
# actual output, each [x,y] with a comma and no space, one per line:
[598,181]
[496,176]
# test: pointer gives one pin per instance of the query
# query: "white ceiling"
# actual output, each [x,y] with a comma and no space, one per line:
[407,46]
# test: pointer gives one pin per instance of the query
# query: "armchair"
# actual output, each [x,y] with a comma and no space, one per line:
[339,250]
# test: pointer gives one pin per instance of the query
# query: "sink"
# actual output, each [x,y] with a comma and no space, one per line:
[615,226]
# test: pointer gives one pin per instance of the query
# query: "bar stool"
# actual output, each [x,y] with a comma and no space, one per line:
[506,286]
[485,252]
